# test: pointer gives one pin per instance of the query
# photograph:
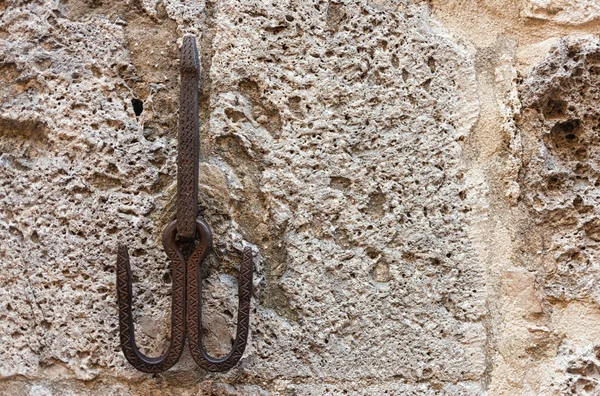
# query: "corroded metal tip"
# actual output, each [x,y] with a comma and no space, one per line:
[189,56]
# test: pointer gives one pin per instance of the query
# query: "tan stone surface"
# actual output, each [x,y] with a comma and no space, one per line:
[571,12]
[417,179]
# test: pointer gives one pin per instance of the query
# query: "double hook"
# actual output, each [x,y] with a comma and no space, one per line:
[188,232]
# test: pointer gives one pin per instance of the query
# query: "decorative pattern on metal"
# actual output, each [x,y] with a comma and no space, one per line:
[194,315]
[124,293]
[187,148]
[189,231]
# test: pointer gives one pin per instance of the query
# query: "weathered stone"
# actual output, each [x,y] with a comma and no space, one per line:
[571,12]
[332,142]
[558,127]
[520,288]
[558,123]
[418,189]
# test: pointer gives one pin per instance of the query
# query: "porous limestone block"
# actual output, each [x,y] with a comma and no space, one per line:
[332,144]
[559,129]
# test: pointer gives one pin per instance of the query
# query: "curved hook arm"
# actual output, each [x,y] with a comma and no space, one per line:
[194,316]
[126,328]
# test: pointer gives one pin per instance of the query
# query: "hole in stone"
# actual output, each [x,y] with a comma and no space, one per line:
[340,183]
[372,253]
[138,106]
[553,183]
[555,108]
[234,115]
[167,277]
[565,134]
[431,64]
[426,84]
[35,237]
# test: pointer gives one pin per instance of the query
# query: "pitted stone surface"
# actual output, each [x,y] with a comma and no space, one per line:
[334,146]
[80,172]
[419,191]
[559,118]
[558,127]
[355,117]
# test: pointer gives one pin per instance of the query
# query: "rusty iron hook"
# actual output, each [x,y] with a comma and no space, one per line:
[188,230]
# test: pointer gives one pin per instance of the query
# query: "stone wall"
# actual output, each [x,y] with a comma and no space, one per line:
[418,182]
